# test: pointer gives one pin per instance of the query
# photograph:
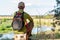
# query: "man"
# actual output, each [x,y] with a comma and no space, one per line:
[27,28]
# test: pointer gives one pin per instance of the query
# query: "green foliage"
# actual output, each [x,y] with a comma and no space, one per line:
[57,35]
[38,16]
[4,20]
[8,26]
[0,22]
[5,27]
[48,16]
[44,16]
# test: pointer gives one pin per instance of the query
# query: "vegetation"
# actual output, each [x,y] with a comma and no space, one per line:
[5,24]
[5,27]
[48,16]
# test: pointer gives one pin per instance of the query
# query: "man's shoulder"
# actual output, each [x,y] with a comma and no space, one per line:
[26,13]
[15,12]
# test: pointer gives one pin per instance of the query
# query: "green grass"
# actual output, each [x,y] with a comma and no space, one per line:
[5,27]
[6,24]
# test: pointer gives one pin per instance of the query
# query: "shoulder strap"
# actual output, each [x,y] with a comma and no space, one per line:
[23,15]
[15,14]
[23,19]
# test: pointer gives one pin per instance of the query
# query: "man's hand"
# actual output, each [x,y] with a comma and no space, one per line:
[30,26]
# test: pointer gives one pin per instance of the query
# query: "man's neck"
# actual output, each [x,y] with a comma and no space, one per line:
[21,10]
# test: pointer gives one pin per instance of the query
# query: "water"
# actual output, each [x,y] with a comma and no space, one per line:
[7,36]
[34,31]
[42,28]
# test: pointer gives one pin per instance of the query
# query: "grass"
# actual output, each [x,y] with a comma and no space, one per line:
[47,22]
[6,25]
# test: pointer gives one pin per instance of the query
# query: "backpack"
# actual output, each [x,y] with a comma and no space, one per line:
[18,24]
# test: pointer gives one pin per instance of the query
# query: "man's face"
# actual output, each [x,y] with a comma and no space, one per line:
[21,7]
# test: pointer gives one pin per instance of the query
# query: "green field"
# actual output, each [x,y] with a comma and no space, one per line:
[5,24]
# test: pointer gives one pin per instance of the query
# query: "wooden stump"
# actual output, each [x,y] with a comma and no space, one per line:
[20,37]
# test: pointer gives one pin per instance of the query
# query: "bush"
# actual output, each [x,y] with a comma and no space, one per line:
[8,26]
[4,20]
[57,35]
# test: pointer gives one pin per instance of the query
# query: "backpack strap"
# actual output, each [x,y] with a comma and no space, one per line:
[15,14]
[23,19]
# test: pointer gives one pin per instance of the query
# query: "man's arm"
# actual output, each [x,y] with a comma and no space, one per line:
[30,25]
[30,19]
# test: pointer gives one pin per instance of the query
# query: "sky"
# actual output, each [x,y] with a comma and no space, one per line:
[33,7]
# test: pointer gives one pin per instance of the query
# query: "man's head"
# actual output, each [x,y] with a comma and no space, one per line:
[21,5]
